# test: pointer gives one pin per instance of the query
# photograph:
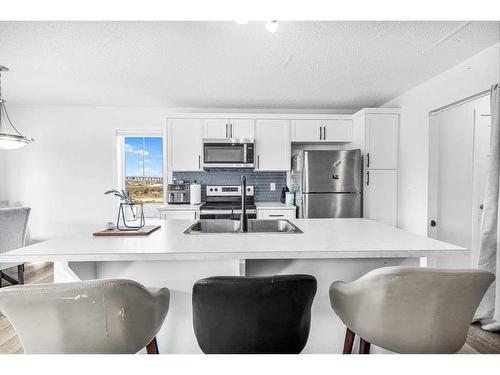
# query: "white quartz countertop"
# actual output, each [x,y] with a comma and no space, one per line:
[322,238]
[273,206]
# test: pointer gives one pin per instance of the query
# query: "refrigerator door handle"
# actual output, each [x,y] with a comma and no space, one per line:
[367,178]
[367,160]
[304,207]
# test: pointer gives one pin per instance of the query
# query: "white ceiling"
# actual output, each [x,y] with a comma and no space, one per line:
[322,65]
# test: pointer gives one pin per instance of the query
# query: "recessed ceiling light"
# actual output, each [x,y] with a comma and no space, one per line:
[272,26]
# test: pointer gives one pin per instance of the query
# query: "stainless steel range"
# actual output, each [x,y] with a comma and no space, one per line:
[224,202]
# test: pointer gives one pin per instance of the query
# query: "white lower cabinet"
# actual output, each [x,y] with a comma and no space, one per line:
[380,196]
[276,214]
[179,214]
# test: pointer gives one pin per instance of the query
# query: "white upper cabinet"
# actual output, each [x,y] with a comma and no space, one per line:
[308,131]
[337,130]
[216,128]
[185,144]
[273,145]
[242,128]
[381,141]
[229,128]
[380,196]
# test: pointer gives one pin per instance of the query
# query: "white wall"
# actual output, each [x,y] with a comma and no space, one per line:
[62,176]
[463,80]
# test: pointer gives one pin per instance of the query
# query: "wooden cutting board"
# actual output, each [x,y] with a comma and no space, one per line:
[144,231]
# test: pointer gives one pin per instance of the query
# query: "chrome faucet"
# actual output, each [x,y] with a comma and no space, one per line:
[243,217]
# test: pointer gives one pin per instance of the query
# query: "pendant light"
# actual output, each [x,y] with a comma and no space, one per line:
[9,141]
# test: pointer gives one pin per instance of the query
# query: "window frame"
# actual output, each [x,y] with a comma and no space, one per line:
[120,157]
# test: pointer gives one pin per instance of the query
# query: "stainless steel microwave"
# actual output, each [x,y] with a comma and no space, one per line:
[228,153]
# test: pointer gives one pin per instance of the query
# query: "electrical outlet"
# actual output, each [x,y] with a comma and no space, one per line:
[273,186]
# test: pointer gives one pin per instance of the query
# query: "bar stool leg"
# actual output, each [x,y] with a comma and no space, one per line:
[20,274]
[152,347]
[364,346]
[348,342]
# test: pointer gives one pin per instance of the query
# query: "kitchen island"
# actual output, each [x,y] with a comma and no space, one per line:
[329,249]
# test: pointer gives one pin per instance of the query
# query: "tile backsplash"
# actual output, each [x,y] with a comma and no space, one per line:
[261,181]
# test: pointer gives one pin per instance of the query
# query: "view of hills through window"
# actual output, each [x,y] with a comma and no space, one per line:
[144,168]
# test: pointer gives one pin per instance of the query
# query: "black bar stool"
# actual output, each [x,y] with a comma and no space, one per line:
[253,315]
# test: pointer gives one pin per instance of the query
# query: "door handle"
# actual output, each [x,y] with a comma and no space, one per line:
[258,161]
[276,215]
[433,223]
[324,133]
[226,130]
[199,161]
[320,134]
[481,206]
[367,178]
[367,160]
[231,128]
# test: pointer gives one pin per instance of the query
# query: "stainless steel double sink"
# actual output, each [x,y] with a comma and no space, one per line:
[233,226]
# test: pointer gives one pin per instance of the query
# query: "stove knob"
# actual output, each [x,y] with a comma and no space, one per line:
[216,189]
[211,189]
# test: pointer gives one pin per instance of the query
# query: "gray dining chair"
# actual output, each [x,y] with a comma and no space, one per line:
[409,309]
[108,316]
[13,226]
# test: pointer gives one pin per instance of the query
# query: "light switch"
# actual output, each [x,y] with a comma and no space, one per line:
[273,186]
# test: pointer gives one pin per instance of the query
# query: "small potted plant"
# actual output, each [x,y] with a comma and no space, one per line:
[126,202]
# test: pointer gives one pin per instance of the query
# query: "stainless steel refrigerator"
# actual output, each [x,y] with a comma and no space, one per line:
[329,183]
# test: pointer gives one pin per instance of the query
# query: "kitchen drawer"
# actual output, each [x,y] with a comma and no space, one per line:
[179,215]
[276,214]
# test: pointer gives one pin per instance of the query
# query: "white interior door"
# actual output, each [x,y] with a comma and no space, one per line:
[457,170]
[482,149]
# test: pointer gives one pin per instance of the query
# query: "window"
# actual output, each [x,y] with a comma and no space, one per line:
[143,168]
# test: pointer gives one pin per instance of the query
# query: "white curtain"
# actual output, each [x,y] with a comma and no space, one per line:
[488,313]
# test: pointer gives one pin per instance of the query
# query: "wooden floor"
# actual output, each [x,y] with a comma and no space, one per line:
[33,273]
[478,341]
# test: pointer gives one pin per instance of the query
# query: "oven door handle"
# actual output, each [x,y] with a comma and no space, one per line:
[226,212]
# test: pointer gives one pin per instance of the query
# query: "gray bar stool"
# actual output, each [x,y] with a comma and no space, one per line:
[253,315]
[13,227]
[98,316]
[410,309]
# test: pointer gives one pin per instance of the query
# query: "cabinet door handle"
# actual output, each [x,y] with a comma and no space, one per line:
[226,130]
[324,132]
[367,160]
[275,215]
[258,161]
[199,161]
[367,178]
[320,134]
[231,128]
